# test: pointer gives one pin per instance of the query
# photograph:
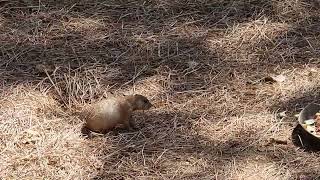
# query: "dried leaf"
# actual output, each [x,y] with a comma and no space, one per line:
[278,78]
[309,121]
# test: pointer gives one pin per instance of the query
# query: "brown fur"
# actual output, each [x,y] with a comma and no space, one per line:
[106,114]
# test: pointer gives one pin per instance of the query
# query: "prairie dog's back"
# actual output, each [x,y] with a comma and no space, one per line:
[108,108]
[106,114]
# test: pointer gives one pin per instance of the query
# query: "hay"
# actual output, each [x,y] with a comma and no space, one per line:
[200,62]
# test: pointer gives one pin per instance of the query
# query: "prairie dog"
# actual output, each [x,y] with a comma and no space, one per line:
[108,113]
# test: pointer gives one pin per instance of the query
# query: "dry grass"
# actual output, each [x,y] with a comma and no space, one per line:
[198,61]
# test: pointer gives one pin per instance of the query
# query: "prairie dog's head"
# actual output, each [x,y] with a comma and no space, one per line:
[141,102]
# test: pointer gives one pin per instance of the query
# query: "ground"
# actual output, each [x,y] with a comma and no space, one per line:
[202,63]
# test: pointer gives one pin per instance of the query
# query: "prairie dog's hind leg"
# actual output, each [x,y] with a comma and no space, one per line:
[85,131]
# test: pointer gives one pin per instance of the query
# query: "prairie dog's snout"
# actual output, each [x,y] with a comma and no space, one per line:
[108,113]
[141,103]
